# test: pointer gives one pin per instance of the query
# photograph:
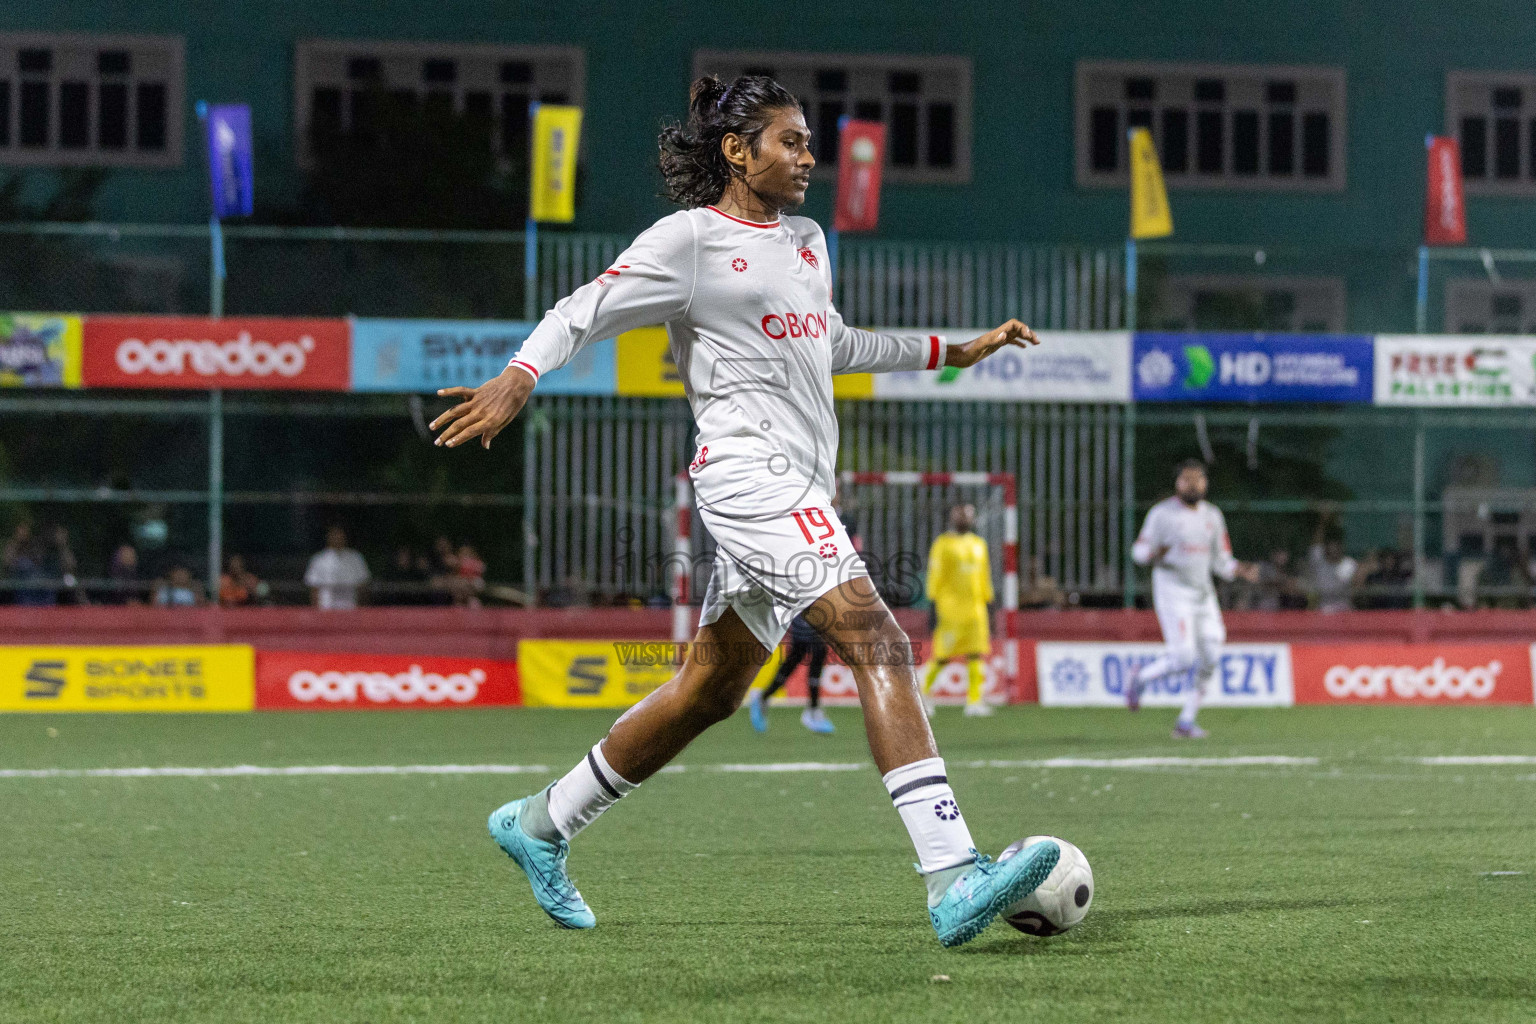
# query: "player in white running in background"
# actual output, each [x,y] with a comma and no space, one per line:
[746,294]
[1185,541]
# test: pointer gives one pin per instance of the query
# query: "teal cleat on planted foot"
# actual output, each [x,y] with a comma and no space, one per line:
[544,864]
[975,899]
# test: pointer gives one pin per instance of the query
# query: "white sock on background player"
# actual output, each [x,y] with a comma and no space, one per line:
[928,808]
[1191,705]
[586,791]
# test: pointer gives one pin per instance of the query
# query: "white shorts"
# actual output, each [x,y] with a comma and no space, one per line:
[1192,629]
[772,569]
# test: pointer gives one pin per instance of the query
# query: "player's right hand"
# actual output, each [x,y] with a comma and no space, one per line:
[484,411]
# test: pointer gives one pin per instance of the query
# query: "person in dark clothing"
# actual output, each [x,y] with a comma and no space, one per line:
[804,644]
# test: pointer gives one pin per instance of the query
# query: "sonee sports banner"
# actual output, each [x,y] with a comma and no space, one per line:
[151,678]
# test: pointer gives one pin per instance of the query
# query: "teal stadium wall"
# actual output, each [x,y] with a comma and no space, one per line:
[639,59]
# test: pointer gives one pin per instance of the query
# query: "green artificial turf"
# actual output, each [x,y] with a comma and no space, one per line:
[1353,889]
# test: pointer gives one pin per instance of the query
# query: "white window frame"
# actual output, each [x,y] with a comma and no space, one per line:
[1524,182]
[796,70]
[397,56]
[1331,292]
[170,50]
[1336,179]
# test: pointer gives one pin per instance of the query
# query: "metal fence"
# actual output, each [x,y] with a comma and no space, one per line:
[298,271]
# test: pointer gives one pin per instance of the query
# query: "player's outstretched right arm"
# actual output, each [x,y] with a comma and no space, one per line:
[651,282]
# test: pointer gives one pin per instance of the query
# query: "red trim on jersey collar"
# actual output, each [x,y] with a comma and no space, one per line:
[933,352]
[738,220]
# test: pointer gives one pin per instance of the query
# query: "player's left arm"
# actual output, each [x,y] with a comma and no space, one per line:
[1222,561]
[860,351]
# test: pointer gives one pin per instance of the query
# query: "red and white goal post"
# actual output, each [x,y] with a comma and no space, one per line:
[918,519]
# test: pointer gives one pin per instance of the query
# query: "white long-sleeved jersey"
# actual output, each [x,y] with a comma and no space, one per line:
[1197,543]
[749,316]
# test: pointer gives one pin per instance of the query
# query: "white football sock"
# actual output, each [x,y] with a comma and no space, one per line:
[1192,704]
[927,806]
[586,791]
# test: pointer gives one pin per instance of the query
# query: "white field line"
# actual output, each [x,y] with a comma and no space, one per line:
[1150,762]
[1476,759]
[766,768]
[769,768]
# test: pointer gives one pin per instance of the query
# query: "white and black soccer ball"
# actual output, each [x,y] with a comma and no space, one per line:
[1062,900]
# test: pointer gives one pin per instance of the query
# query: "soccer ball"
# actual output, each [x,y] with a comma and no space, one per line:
[1063,898]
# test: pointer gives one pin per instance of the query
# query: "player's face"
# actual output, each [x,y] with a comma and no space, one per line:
[1191,486]
[780,170]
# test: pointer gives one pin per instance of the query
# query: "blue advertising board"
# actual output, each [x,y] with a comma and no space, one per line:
[229,159]
[1267,368]
[405,356]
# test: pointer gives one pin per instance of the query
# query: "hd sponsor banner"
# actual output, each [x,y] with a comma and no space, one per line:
[1459,674]
[405,356]
[215,677]
[1067,366]
[594,673]
[300,680]
[1267,368]
[200,353]
[1450,370]
[1096,674]
[39,350]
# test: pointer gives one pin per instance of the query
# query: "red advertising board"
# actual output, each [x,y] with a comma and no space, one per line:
[1459,674]
[200,352]
[1445,213]
[860,158]
[297,680]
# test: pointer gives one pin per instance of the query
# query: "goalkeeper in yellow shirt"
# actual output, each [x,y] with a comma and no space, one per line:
[960,587]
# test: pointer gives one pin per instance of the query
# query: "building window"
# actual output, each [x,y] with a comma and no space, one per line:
[1493,116]
[1215,126]
[1475,305]
[1240,302]
[90,100]
[924,102]
[359,89]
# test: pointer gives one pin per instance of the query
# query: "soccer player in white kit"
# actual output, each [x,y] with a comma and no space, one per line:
[745,293]
[1185,540]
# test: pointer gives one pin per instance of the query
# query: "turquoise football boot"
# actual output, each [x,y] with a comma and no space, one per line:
[544,864]
[975,898]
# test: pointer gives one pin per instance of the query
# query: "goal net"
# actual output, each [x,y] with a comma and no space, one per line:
[895,516]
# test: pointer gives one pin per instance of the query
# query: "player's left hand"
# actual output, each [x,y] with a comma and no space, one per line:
[1014,333]
[1248,572]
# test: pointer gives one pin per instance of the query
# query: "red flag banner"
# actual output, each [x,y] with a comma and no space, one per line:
[1445,213]
[860,157]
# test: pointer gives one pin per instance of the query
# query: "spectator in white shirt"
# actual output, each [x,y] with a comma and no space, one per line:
[336,573]
[1332,572]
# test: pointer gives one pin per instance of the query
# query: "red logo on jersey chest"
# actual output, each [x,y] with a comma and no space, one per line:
[738,264]
[809,255]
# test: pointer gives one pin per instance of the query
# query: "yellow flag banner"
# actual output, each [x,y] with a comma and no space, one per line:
[1150,216]
[552,193]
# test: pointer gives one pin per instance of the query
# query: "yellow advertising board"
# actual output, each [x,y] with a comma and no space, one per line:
[594,673]
[646,369]
[213,677]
